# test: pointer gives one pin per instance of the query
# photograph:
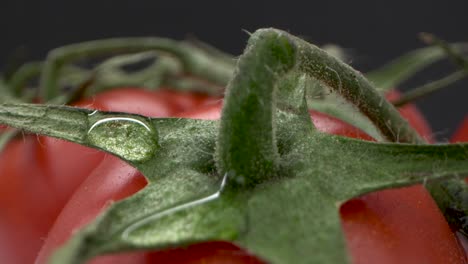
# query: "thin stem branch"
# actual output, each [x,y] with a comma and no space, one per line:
[429,88]
[453,54]
[24,74]
[194,60]
[354,87]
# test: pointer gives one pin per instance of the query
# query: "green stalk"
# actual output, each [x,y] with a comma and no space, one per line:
[449,50]
[429,88]
[193,59]
[246,144]
[24,74]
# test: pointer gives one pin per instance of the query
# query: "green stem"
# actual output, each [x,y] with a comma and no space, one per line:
[449,50]
[187,83]
[193,60]
[24,74]
[451,195]
[53,121]
[246,145]
[110,74]
[165,71]
[6,136]
[228,58]
[390,75]
[452,199]
[429,88]
[354,87]
[6,94]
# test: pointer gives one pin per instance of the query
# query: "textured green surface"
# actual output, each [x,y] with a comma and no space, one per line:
[399,70]
[280,219]
[194,60]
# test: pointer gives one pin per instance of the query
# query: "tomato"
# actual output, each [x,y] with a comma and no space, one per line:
[388,226]
[401,225]
[113,180]
[31,188]
[461,134]
[56,172]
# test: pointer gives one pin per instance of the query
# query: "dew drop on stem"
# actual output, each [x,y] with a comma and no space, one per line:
[134,139]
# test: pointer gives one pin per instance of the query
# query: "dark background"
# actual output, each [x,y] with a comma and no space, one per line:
[373,31]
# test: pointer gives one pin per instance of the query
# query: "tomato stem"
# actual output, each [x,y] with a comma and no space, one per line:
[452,199]
[453,54]
[194,60]
[246,145]
[24,74]
[429,88]
[6,94]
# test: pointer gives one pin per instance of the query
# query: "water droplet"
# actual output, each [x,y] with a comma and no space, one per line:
[160,214]
[131,138]
[93,113]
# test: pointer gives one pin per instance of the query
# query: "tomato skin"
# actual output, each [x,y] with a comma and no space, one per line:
[399,226]
[17,188]
[30,188]
[461,134]
[331,125]
[160,103]
[390,226]
[112,180]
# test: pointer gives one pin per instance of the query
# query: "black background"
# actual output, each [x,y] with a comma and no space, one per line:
[373,31]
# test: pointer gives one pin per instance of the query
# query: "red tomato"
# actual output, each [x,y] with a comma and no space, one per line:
[461,135]
[402,225]
[84,205]
[388,226]
[56,172]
